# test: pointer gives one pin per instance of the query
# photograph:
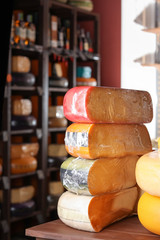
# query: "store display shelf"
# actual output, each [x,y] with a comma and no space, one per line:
[22,132]
[34,214]
[156,65]
[152,30]
[57,129]
[87,56]
[61,52]
[23,88]
[15,176]
[52,169]
[58,89]
[28,49]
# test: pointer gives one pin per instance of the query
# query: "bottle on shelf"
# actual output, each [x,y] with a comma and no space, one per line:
[20,30]
[60,34]
[90,46]
[31,31]
[67,34]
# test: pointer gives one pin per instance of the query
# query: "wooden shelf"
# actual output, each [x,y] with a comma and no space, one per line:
[127,229]
[152,30]
[16,219]
[156,65]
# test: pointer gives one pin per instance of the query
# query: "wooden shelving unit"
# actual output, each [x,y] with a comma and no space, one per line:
[41,52]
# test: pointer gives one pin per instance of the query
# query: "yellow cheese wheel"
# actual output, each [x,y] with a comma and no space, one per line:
[149,212]
[148,173]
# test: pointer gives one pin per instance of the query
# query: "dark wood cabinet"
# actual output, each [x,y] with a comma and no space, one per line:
[41,52]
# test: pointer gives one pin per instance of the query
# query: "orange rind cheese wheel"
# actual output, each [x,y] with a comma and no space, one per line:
[149,212]
[94,141]
[23,165]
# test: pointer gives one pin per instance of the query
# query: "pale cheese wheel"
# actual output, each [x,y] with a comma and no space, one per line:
[20,195]
[93,213]
[57,150]
[56,188]
[148,173]
[22,107]
[21,64]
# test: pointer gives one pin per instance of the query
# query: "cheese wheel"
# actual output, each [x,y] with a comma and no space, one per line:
[22,209]
[57,122]
[148,173]
[86,81]
[149,212]
[23,150]
[55,112]
[23,165]
[22,107]
[95,177]
[20,195]
[23,122]
[93,213]
[57,150]
[23,79]
[93,141]
[56,188]
[21,64]
[107,105]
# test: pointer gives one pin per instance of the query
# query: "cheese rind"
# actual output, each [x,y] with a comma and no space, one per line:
[148,173]
[95,177]
[107,105]
[20,195]
[93,213]
[57,150]
[23,165]
[57,122]
[24,150]
[21,64]
[55,112]
[22,107]
[149,212]
[93,141]
[56,188]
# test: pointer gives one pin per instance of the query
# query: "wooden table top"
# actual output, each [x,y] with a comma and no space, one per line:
[126,229]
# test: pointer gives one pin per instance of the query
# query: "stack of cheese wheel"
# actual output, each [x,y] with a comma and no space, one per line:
[148,179]
[105,143]
[21,75]
[23,157]
[21,114]
[22,203]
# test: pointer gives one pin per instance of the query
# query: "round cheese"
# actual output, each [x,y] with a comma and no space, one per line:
[149,212]
[148,173]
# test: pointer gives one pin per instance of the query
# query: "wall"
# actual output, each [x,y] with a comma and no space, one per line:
[135,44]
[110,41]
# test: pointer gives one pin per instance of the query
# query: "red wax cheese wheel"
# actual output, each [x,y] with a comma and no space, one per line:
[149,212]
[107,105]
[23,165]
[24,150]
[93,213]
[93,141]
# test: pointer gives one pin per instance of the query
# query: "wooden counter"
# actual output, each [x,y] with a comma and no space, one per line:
[127,229]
